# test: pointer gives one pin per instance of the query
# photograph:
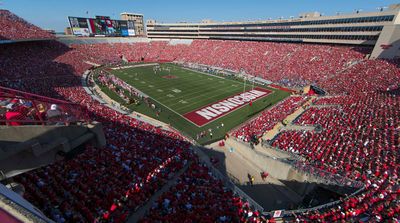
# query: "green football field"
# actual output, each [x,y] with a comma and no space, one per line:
[179,91]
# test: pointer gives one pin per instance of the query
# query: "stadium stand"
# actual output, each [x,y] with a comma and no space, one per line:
[199,196]
[15,28]
[359,137]
[290,64]
[268,119]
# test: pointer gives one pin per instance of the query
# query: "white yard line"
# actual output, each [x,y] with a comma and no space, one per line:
[200,91]
[201,72]
[187,105]
[133,66]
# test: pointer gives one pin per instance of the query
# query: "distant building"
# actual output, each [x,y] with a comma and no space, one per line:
[138,22]
[68,31]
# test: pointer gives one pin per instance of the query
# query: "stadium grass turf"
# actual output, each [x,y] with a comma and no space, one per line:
[189,90]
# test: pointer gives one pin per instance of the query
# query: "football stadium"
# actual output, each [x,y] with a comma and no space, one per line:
[118,119]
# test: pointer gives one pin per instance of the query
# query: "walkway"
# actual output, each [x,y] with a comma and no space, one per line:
[270,193]
[289,119]
[298,128]
[325,106]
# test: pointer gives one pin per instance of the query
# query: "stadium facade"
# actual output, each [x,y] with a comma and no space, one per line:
[380,29]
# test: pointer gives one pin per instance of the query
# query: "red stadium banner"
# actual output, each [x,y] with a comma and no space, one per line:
[211,112]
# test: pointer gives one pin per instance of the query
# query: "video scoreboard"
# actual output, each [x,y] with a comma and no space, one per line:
[101,25]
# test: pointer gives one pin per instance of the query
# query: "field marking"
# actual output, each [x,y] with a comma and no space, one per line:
[174,111]
[203,120]
[167,99]
[166,83]
[203,95]
[201,88]
[201,72]
[134,66]
[229,80]
[176,91]
[163,82]
[230,112]
[216,97]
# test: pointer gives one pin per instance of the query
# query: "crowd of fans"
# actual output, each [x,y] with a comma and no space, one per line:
[268,119]
[200,197]
[16,112]
[285,63]
[289,64]
[117,85]
[359,137]
[15,28]
[118,178]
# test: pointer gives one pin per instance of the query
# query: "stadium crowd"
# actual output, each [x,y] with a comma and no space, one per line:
[15,28]
[117,85]
[201,197]
[359,137]
[268,119]
[288,64]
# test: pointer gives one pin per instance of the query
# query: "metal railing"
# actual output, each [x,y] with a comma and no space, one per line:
[22,108]
[287,213]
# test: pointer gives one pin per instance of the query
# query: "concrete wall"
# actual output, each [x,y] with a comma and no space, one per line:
[24,148]
[296,181]
[68,40]
[388,44]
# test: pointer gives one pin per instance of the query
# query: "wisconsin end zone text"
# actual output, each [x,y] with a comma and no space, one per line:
[211,112]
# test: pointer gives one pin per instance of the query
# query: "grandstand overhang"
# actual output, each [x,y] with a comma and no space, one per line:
[379,29]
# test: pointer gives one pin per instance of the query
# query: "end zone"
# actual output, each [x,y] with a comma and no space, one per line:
[211,112]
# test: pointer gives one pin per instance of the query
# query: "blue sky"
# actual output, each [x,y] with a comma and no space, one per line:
[53,14]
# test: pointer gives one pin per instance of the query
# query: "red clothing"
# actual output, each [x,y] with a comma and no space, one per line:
[13,115]
[113,207]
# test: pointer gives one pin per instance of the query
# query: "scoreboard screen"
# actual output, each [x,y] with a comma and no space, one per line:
[79,26]
[101,25]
